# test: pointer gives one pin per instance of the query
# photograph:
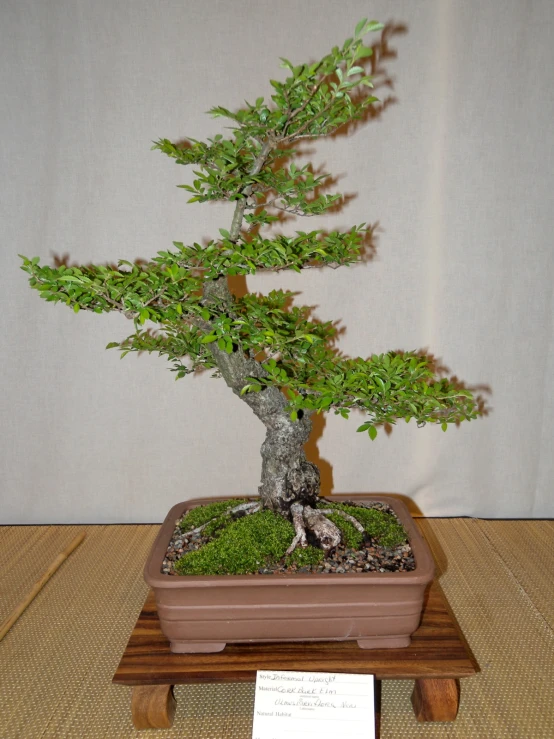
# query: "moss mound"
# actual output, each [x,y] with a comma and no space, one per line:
[240,547]
[352,538]
[382,526]
[309,557]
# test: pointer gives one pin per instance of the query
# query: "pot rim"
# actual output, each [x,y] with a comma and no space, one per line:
[423,572]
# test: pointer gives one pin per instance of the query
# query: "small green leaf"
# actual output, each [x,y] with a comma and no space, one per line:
[208,339]
[112,345]
[359,26]
[372,431]
[76,308]
[363,52]
[444,426]
[224,233]
[293,415]
[381,384]
[374,26]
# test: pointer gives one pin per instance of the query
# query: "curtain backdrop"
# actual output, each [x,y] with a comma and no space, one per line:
[457,170]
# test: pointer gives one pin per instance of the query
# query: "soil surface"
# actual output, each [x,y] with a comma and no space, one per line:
[371,558]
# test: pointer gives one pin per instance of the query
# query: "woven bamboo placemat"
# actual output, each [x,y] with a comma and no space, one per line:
[57,662]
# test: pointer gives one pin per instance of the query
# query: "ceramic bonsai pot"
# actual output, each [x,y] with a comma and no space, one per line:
[204,613]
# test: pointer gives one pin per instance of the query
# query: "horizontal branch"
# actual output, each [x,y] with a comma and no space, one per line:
[152,291]
[281,252]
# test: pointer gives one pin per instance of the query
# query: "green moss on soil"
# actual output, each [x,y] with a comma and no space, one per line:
[246,545]
[215,527]
[309,557]
[242,547]
[351,537]
[203,513]
[381,526]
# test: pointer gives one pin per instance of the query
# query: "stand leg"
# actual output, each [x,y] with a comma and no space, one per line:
[436,699]
[153,706]
[378,692]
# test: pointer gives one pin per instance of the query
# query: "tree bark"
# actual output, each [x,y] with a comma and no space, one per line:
[287,476]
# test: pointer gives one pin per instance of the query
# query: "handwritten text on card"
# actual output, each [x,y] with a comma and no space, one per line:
[290,704]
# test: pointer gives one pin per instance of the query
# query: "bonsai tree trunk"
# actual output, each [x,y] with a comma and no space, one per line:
[287,477]
[290,483]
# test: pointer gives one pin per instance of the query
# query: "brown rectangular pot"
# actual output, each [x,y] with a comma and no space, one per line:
[204,613]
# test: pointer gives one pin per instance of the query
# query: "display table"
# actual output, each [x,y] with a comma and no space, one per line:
[436,658]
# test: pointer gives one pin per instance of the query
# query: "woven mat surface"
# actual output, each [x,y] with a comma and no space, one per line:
[57,662]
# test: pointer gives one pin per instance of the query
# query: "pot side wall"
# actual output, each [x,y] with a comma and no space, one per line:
[203,614]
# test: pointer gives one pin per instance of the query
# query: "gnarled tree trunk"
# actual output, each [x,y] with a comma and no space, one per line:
[287,476]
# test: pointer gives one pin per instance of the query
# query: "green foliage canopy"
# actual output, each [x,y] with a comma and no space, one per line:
[249,169]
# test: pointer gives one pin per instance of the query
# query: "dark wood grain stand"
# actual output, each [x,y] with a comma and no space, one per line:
[437,657]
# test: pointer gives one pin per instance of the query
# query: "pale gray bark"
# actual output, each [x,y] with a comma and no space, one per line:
[287,476]
[325,531]
[297,511]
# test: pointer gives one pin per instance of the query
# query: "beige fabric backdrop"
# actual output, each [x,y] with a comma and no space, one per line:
[458,172]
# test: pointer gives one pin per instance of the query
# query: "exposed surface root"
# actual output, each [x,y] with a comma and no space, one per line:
[306,518]
[296,511]
[246,508]
[347,516]
[324,530]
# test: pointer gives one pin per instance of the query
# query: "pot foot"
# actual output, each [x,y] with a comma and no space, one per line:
[197,647]
[384,642]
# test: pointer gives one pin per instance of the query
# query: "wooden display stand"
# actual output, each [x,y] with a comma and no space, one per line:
[436,658]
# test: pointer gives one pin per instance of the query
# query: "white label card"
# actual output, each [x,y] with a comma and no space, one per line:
[313,704]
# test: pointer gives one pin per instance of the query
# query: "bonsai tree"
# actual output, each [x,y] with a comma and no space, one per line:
[270,354]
